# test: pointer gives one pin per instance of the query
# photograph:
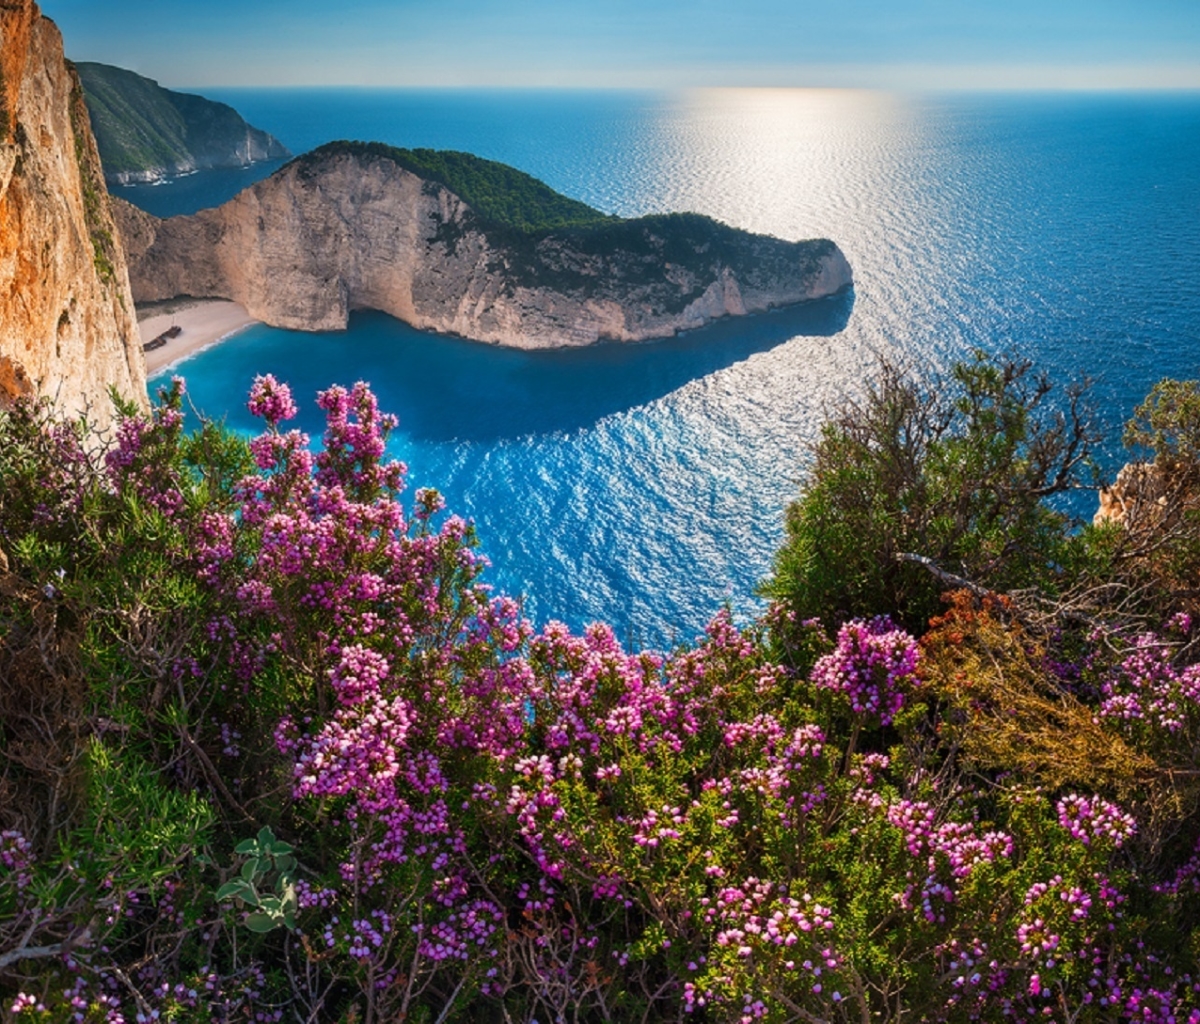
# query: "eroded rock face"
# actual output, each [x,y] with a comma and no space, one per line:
[67,326]
[1140,497]
[338,232]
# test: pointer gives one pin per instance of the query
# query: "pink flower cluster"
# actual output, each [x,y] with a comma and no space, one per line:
[140,462]
[1147,686]
[16,854]
[384,611]
[874,664]
[952,849]
[271,400]
[1094,819]
[762,916]
[26,1003]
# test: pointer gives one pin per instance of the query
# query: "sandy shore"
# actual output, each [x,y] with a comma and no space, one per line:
[204,322]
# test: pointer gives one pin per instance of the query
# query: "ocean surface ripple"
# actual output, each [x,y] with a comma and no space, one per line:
[645,485]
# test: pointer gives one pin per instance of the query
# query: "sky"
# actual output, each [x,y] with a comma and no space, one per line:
[898,44]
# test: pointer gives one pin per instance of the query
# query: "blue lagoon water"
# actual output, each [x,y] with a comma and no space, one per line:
[645,485]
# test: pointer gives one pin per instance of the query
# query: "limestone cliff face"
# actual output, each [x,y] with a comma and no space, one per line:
[67,326]
[340,231]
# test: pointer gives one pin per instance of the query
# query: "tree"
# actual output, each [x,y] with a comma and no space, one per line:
[956,469]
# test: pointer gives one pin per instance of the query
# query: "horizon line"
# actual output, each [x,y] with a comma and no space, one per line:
[1064,89]
[891,77]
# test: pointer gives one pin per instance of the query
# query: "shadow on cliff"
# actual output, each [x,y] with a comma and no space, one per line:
[449,389]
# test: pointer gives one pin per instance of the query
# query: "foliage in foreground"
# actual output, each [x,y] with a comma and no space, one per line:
[269,750]
[956,470]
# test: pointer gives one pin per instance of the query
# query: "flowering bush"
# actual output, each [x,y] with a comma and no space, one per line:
[872,664]
[459,815]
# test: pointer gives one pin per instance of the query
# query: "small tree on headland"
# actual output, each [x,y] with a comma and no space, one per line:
[1158,502]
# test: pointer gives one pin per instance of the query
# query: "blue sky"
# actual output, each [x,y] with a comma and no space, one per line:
[918,44]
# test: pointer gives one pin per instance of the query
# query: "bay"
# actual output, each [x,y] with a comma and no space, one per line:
[645,485]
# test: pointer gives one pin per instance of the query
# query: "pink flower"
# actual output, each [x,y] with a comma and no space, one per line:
[271,400]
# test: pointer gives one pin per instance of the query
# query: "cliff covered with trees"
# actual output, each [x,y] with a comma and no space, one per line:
[147,133]
[452,243]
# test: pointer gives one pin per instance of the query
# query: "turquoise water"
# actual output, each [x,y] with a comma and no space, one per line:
[645,485]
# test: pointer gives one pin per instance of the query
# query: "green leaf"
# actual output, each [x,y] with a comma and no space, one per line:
[265,837]
[247,846]
[261,923]
[235,888]
[250,869]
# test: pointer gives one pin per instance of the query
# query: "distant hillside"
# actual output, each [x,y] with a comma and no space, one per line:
[146,132]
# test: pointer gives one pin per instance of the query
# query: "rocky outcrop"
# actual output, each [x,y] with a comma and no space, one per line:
[349,227]
[67,325]
[148,133]
[1138,492]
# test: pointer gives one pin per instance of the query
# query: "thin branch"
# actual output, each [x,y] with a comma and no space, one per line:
[29,953]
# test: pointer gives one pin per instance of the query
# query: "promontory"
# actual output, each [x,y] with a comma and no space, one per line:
[146,133]
[453,243]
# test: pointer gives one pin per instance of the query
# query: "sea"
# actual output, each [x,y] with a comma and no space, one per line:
[645,485]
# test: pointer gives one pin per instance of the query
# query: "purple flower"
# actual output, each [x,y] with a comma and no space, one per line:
[271,400]
[873,664]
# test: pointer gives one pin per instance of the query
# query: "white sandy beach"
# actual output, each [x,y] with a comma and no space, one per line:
[203,321]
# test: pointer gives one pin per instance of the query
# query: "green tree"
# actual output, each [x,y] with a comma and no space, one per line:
[955,470]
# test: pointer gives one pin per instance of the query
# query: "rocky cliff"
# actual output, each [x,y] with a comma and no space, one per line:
[147,133]
[67,325]
[451,243]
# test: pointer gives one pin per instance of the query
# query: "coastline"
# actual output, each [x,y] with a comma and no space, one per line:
[203,322]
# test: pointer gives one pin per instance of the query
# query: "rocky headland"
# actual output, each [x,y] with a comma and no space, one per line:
[148,133]
[67,326]
[452,243]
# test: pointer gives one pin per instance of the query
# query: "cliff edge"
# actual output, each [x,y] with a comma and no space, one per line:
[67,325]
[451,243]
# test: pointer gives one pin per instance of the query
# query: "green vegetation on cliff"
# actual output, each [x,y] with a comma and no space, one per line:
[500,195]
[142,128]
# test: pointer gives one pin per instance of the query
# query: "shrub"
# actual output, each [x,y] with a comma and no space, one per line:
[956,471]
[306,766]
[1159,501]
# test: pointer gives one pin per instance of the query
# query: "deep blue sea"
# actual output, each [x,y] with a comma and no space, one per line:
[645,485]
